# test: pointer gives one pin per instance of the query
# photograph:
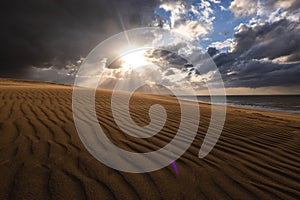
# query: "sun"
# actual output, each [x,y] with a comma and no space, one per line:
[134,59]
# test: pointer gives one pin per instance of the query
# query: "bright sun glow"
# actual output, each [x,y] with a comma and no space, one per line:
[134,59]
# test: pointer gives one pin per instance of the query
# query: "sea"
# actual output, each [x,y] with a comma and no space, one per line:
[275,103]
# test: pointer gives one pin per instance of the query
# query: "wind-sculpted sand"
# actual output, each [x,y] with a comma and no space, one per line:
[42,157]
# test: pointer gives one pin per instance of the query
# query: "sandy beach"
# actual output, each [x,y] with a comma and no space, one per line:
[42,157]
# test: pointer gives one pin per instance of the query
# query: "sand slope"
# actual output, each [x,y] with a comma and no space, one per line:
[42,157]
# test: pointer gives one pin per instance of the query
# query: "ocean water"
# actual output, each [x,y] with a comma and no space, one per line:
[277,103]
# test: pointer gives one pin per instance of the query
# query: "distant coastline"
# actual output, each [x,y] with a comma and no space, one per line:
[274,103]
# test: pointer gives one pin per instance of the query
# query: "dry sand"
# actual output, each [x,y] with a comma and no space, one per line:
[42,157]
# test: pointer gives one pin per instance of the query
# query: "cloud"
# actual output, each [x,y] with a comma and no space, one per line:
[277,10]
[270,10]
[53,33]
[267,40]
[53,36]
[192,18]
[223,8]
[53,75]
[177,10]
[264,54]
[243,8]
[254,74]
[193,29]
[169,72]
[212,51]
[286,4]
[216,1]
[222,45]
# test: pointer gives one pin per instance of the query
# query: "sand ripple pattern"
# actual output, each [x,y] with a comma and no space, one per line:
[42,157]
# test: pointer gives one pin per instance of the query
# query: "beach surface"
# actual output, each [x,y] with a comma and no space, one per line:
[42,157]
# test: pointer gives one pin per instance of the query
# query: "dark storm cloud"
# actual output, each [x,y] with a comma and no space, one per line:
[263,55]
[270,41]
[171,58]
[212,51]
[169,72]
[254,74]
[44,33]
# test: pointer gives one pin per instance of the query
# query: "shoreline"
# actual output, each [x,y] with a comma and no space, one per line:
[252,107]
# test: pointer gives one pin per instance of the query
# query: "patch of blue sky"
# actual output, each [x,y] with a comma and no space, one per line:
[223,23]
[166,15]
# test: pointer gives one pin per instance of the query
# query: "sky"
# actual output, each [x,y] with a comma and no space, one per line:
[254,43]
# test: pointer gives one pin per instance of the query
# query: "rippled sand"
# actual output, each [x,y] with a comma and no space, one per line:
[42,157]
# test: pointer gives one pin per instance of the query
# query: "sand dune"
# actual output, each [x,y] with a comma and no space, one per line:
[42,157]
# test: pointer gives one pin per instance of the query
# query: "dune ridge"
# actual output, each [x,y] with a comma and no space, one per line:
[42,157]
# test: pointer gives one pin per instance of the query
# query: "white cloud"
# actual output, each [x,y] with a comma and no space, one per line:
[269,10]
[193,19]
[223,8]
[216,1]
[193,29]
[282,3]
[225,44]
[243,8]
[176,8]
[277,13]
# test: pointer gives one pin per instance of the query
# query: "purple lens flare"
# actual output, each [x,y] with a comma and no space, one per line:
[174,166]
